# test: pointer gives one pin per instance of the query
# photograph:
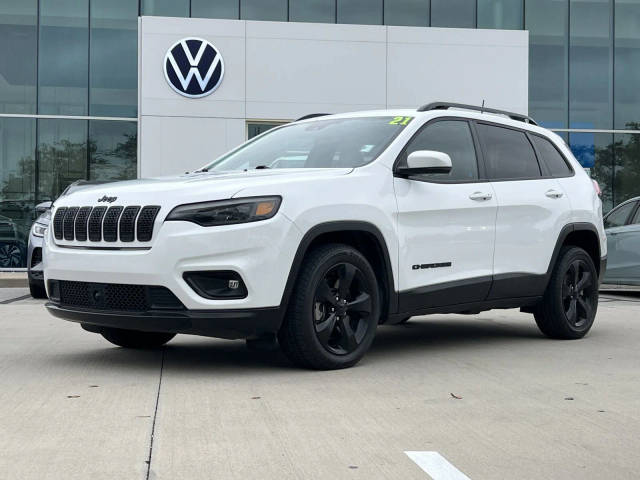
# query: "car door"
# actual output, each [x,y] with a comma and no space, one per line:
[445,222]
[532,210]
[622,226]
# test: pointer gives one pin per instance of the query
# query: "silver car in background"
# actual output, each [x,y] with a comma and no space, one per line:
[622,226]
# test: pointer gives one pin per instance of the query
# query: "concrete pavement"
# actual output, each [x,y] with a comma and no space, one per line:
[73,406]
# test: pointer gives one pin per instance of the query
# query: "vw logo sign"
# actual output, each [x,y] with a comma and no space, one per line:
[193,67]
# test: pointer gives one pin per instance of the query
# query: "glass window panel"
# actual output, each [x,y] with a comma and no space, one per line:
[321,11]
[255,129]
[547,22]
[619,216]
[627,64]
[450,137]
[113,58]
[549,155]
[17,188]
[367,12]
[590,67]
[62,155]
[63,59]
[453,13]
[112,150]
[215,9]
[595,151]
[273,10]
[509,155]
[406,12]
[166,8]
[626,150]
[18,20]
[505,14]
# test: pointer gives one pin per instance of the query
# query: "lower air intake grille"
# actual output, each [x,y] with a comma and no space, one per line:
[116,296]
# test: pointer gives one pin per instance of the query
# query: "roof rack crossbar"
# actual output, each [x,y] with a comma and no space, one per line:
[311,115]
[447,105]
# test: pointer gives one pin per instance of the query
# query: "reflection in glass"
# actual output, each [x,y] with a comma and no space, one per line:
[114,58]
[367,12]
[627,63]
[255,129]
[273,10]
[547,22]
[166,8]
[62,155]
[320,11]
[215,9]
[453,13]
[504,14]
[17,188]
[406,12]
[626,181]
[112,150]
[18,56]
[590,65]
[595,151]
[63,57]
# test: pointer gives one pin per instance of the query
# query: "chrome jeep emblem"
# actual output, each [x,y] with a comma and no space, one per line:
[107,199]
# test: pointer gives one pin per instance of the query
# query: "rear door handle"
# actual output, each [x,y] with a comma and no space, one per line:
[553,193]
[480,196]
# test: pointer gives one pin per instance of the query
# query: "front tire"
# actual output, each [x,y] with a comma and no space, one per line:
[569,305]
[136,339]
[334,310]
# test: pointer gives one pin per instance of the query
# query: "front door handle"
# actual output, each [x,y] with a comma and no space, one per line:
[553,193]
[480,196]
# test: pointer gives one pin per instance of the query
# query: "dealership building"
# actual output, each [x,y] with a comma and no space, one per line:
[115,89]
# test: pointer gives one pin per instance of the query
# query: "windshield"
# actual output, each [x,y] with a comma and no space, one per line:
[331,143]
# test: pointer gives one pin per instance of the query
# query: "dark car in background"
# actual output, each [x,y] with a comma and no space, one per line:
[12,246]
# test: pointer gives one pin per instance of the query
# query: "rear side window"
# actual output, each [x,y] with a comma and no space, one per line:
[508,153]
[551,157]
[452,137]
[619,216]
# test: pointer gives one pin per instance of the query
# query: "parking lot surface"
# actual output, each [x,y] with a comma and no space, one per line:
[487,392]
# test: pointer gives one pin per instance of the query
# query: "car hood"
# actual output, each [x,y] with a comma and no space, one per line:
[191,188]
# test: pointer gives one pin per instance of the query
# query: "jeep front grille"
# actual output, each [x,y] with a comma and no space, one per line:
[105,223]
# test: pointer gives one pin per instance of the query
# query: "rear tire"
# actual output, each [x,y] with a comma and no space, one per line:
[333,311]
[37,290]
[568,308]
[136,339]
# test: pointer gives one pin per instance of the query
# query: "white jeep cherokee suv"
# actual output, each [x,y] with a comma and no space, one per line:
[319,230]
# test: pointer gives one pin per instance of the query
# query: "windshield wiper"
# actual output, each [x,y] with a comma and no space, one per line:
[262,167]
[202,170]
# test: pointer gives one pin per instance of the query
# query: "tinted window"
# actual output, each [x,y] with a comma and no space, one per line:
[453,13]
[505,14]
[217,9]
[321,11]
[636,218]
[509,155]
[551,157]
[618,217]
[368,12]
[406,12]
[453,138]
[166,8]
[275,10]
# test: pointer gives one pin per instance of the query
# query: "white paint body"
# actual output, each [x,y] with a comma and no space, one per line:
[514,229]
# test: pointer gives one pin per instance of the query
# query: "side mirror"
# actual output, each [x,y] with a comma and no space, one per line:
[426,161]
[43,207]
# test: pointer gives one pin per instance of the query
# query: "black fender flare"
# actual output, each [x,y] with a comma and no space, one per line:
[334,227]
[564,233]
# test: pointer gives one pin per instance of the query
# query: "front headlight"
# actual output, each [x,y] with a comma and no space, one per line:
[227,212]
[39,229]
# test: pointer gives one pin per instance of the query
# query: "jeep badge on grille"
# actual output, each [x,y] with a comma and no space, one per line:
[107,199]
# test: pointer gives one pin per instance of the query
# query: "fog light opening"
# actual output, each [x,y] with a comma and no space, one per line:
[216,285]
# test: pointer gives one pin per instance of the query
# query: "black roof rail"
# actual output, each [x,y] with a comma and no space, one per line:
[311,115]
[446,105]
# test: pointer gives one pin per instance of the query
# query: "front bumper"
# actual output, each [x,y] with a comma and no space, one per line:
[230,324]
[260,252]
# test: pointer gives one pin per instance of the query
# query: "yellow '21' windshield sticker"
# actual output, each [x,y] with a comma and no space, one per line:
[400,121]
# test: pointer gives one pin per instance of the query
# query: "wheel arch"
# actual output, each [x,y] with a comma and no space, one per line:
[583,235]
[363,236]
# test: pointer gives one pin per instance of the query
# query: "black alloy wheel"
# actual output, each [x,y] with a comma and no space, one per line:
[577,293]
[342,309]
[570,302]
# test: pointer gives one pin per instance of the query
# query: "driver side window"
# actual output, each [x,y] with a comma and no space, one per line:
[452,137]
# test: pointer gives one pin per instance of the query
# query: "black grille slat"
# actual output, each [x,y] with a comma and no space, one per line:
[117,297]
[95,224]
[145,223]
[68,225]
[58,221]
[110,224]
[81,223]
[128,224]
